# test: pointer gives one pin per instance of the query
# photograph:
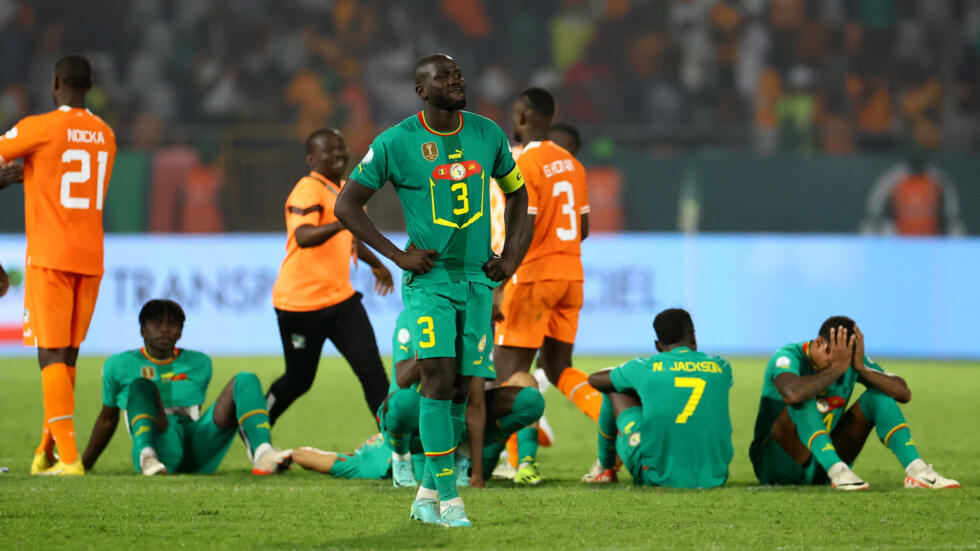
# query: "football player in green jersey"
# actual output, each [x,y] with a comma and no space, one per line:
[491,416]
[440,161]
[806,434]
[666,415]
[160,388]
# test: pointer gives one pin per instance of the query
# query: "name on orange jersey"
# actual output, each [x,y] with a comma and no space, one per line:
[85,136]
[557,167]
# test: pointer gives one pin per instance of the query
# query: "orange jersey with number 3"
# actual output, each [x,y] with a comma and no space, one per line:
[557,196]
[68,155]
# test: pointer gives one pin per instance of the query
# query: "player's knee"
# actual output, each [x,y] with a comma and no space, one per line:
[142,387]
[522,378]
[246,381]
[529,404]
[405,402]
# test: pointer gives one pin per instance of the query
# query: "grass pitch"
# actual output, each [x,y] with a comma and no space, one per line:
[113,507]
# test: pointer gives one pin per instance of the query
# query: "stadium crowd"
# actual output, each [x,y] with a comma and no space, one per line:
[798,75]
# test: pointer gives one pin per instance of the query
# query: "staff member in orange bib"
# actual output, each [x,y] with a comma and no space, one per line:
[68,155]
[313,295]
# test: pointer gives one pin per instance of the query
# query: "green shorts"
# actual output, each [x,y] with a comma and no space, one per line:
[191,446]
[629,440]
[370,461]
[451,319]
[773,465]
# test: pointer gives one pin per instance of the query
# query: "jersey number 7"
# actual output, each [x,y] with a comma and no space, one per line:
[697,390]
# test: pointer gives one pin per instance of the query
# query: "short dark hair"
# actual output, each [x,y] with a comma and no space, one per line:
[570,130]
[161,308]
[833,322]
[541,100]
[74,71]
[673,325]
[316,134]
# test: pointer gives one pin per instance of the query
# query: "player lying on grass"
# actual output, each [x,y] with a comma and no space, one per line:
[491,415]
[666,415]
[805,434]
[508,409]
[160,389]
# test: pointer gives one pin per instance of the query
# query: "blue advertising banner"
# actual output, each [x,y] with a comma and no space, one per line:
[749,294]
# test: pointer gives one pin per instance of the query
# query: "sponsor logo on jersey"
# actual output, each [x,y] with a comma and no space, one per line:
[148,372]
[85,136]
[430,151]
[457,155]
[629,427]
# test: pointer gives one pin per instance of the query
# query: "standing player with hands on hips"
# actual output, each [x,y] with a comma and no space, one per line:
[68,155]
[440,161]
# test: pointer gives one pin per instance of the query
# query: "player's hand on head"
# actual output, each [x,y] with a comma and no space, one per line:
[416,260]
[383,283]
[858,358]
[841,348]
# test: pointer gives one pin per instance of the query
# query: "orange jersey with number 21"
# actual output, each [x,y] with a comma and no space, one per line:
[68,156]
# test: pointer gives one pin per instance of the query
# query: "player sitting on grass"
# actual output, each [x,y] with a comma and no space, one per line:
[492,415]
[804,434]
[160,389]
[678,433]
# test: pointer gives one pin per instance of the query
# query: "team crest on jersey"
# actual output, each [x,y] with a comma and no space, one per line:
[299,341]
[483,344]
[635,439]
[457,171]
[830,403]
[430,151]
[148,372]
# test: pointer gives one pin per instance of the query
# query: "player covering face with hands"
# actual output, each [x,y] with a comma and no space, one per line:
[806,434]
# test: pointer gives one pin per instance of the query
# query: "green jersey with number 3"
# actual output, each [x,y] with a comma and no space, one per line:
[831,403]
[442,180]
[686,435]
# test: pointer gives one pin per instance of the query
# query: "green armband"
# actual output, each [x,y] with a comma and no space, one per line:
[512,181]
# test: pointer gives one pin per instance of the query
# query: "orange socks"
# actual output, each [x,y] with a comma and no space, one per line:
[57,384]
[47,439]
[574,384]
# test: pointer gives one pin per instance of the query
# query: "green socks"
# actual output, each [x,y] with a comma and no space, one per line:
[402,418]
[607,434]
[527,445]
[813,433]
[883,411]
[250,408]
[141,409]
[437,433]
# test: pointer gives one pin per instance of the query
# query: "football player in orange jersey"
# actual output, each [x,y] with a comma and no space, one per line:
[538,308]
[68,155]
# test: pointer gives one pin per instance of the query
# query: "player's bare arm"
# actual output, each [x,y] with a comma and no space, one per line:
[584,225]
[383,284]
[309,235]
[515,242]
[350,211]
[496,308]
[105,427]
[601,380]
[476,421]
[313,459]
[795,389]
[4,282]
[892,385]
[11,174]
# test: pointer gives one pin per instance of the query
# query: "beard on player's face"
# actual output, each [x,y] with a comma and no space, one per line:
[445,101]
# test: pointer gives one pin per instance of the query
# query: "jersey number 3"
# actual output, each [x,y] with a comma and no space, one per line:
[81,176]
[697,390]
[567,208]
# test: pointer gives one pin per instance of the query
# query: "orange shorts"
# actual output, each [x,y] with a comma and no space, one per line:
[539,309]
[58,307]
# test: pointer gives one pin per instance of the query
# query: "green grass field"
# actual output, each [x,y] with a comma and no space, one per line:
[113,507]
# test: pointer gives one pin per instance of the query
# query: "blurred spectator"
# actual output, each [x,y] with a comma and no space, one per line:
[913,198]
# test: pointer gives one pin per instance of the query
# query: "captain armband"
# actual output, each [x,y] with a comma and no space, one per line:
[512,181]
